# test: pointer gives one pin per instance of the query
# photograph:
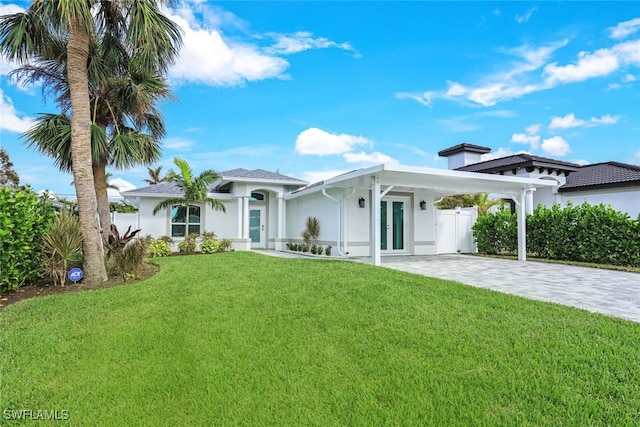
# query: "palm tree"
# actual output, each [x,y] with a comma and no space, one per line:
[154,176]
[482,202]
[124,26]
[194,190]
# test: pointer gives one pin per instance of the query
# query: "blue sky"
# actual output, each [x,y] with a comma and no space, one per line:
[314,89]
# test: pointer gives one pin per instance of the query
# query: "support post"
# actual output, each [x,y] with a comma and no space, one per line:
[529,200]
[375,221]
[522,227]
[280,237]
[245,218]
[240,216]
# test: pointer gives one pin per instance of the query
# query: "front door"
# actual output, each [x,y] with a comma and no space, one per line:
[256,227]
[392,225]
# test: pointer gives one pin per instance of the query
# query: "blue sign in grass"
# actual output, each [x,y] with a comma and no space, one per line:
[75,275]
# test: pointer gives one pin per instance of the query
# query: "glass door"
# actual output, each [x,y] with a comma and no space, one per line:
[256,227]
[392,225]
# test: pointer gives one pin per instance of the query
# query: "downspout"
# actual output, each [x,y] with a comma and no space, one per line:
[324,193]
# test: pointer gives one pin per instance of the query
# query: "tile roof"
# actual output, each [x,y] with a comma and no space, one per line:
[472,148]
[518,161]
[602,175]
[257,174]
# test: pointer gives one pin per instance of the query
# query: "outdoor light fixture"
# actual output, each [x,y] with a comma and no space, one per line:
[361,202]
[423,205]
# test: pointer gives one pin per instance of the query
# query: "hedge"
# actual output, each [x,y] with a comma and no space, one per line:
[24,219]
[586,233]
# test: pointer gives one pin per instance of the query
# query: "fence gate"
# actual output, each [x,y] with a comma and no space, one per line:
[453,230]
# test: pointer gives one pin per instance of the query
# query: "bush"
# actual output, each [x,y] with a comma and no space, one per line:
[158,248]
[188,245]
[210,246]
[225,245]
[24,219]
[62,247]
[327,250]
[128,260]
[586,233]
[496,233]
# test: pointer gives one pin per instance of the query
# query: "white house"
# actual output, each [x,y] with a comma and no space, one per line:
[611,183]
[385,209]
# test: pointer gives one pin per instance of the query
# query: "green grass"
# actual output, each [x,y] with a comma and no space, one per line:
[241,338]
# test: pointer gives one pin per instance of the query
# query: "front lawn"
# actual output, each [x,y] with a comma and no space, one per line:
[242,338]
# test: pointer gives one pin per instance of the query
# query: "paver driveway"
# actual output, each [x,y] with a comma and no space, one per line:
[615,293]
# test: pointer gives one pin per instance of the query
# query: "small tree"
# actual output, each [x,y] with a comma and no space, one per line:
[8,176]
[311,231]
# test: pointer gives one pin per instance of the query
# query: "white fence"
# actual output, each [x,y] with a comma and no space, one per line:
[453,230]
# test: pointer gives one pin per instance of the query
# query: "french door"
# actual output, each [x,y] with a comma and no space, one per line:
[392,229]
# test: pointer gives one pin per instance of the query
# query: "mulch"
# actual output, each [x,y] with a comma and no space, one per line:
[44,288]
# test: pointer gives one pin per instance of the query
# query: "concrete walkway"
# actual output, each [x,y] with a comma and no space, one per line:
[614,293]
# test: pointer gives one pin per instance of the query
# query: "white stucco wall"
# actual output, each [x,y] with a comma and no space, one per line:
[424,229]
[621,200]
[326,210]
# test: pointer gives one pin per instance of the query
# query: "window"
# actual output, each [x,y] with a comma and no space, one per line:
[179,220]
[256,197]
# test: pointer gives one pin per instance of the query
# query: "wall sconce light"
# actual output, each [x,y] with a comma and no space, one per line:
[423,205]
[361,202]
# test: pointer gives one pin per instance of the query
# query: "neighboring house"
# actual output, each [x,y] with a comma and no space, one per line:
[384,209]
[612,183]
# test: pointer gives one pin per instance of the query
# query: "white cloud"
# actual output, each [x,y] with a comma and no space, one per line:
[614,86]
[636,157]
[424,98]
[286,44]
[501,152]
[12,120]
[581,162]
[122,185]
[556,146]
[607,119]
[628,78]
[521,19]
[570,121]
[368,159]
[208,58]
[321,143]
[533,129]
[566,122]
[178,144]
[600,63]
[624,29]
[523,138]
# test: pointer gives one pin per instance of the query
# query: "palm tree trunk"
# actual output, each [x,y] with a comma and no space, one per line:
[102,197]
[77,55]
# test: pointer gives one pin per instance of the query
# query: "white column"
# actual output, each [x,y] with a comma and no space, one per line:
[280,218]
[240,216]
[245,218]
[375,221]
[522,227]
[529,200]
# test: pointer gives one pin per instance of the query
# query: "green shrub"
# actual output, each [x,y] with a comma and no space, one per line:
[158,248]
[327,250]
[62,247]
[210,246]
[189,244]
[496,233]
[225,245]
[24,219]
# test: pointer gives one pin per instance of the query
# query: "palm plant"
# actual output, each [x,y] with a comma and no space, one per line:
[63,32]
[311,231]
[154,176]
[194,190]
[482,202]
[62,244]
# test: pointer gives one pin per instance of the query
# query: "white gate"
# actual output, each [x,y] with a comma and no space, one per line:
[453,230]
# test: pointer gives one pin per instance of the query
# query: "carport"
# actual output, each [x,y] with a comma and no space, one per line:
[380,180]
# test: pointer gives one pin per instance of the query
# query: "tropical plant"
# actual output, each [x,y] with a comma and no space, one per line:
[62,246]
[311,231]
[128,261]
[209,246]
[327,250]
[154,176]
[194,190]
[121,207]
[481,200]
[62,36]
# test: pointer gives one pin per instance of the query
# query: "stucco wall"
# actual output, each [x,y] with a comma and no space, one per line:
[621,200]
